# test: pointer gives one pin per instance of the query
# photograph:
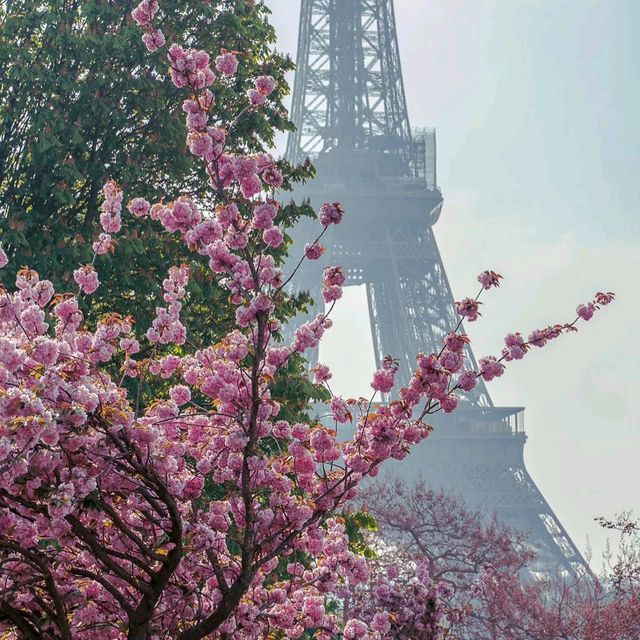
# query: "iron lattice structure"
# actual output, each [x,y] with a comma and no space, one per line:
[351,114]
[349,92]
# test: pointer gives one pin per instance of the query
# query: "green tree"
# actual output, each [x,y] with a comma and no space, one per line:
[81,100]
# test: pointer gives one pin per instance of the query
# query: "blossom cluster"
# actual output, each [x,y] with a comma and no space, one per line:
[166,327]
[110,218]
[401,600]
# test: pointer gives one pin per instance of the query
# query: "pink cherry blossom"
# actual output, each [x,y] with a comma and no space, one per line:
[355,630]
[154,40]
[339,410]
[489,279]
[321,373]
[384,378]
[200,144]
[265,85]
[603,299]
[180,394]
[256,98]
[227,64]
[538,338]
[491,368]
[87,279]
[449,403]
[451,360]
[383,381]
[515,347]
[586,311]
[332,281]
[469,309]
[273,237]
[189,67]
[103,244]
[144,13]
[273,177]
[468,380]
[110,218]
[264,215]
[455,342]
[251,186]
[313,251]
[331,214]
[130,345]
[139,207]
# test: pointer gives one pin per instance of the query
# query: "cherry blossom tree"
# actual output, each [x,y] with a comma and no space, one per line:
[583,608]
[476,580]
[202,513]
[458,553]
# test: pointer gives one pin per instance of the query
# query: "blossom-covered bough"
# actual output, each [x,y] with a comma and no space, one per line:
[203,514]
[441,568]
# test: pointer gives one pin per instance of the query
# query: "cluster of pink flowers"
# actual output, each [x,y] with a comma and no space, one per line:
[103,244]
[331,213]
[182,215]
[313,251]
[469,309]
[190,67]
[227,63]
[491,368]
[139,207]
[145,12]
[489,279]
[166,327]
[87,278]
[154,40]
[333,280]
[384,378]
[321,373]
[252,174]
[110,218]
[515,347]
[264,86]
[308,335]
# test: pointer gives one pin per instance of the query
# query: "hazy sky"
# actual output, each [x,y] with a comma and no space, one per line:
[537,109]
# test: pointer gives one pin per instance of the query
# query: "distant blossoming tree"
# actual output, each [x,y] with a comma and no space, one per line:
[477,582]
[203,513]
[457,553]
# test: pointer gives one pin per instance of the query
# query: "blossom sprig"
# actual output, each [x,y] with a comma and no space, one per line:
[489,279]
[516,348]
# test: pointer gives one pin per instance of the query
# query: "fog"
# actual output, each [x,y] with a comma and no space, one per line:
[536,106]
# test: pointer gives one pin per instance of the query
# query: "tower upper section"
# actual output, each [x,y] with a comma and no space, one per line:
[349,100]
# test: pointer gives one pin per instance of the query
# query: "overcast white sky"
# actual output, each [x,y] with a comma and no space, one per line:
[536,105]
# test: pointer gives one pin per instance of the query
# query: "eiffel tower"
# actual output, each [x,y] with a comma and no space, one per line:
[350,109]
